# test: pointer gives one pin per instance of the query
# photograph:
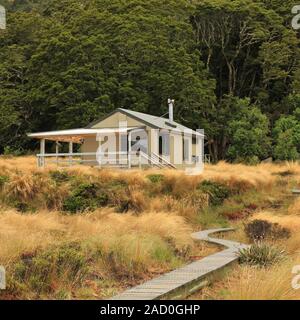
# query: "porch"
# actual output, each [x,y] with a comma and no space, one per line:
[126,160]
[104,151]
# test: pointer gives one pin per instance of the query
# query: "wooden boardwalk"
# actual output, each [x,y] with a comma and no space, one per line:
[188,279]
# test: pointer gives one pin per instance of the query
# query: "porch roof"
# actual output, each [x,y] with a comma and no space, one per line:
[76,135]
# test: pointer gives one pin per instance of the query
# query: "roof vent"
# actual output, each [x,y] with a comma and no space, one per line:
[171,109]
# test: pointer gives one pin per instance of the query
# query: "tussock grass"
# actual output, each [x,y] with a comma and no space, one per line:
[133,191]
[289,221]
[294,208]
[26,233]
[141,229]
[115,246]
[252,283]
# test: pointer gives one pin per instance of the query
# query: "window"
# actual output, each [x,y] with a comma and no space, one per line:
[186,149]
[164,144]
[124,143]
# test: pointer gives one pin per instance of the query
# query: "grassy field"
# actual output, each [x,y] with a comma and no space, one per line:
[84,233]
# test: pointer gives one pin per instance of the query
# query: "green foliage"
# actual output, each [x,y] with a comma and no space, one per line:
[40,271]
[10,151]
[261,254]
[156,178]
[287,137]
[3,180]
[85,58]
[210,218]
[217,192]
[85,197]
[59,176]
[248,132]
[21,206]
[253,65]
[262,229]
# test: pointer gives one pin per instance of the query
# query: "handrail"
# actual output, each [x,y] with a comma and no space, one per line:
[66,154]
[168,163]
[79,154]
[152,161]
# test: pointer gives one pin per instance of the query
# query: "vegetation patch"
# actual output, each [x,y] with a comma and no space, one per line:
[59,176]
[87,196]
[40,272]
[234,212]
[128,199]
[209,218]
[261,254]
[285,173]
[22,207]
[156,178]
[263,229]
[3,180]
[217,192]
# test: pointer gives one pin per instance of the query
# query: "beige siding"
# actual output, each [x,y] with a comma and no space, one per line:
[176,149]
[90,145]
[120,120]
[117,119]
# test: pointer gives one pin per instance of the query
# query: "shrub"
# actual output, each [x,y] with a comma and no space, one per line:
[131,255]
[217,192]
[285,173]
[262,229]
[261,254]
[13,152]
[87,196]
[59,176]
[21,206]
[3,180]
[41,271]
[156,178]
[128,199]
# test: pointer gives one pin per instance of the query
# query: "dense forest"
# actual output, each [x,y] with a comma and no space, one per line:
[233,68]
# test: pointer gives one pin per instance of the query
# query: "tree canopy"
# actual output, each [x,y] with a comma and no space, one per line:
[231,65]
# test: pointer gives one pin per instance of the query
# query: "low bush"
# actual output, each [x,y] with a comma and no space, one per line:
[261,254]
[263,229]
[285,173]
[59,176]
[13,152]
[128,199]
[3,180]
[217,192]
[131,256]
[210,218]
[22,207]
[42,270]
[85,197]
[237,211]
[155,178]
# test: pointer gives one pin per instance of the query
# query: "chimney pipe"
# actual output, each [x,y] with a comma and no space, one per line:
[171,109]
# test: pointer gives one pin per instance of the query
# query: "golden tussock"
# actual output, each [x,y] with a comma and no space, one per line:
[23,233]
[251,283]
